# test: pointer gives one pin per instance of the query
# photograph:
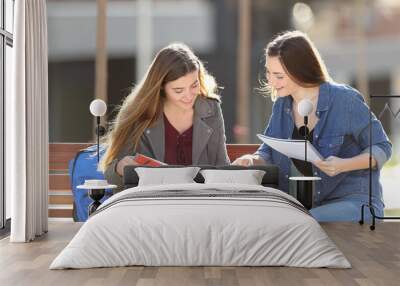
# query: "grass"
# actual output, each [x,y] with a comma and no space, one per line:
[392,212]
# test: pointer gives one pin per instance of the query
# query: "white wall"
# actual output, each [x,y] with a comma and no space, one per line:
[8,92]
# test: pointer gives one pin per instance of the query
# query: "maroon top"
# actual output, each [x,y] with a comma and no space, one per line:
[178,147]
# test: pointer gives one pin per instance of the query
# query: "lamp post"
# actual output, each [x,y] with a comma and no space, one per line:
[305,184]
[98,108]
[96,188]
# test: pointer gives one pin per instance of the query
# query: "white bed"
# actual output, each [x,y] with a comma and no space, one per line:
[201,224]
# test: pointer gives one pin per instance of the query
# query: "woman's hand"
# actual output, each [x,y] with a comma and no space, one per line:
[245,160]
[332,165]
[126,161]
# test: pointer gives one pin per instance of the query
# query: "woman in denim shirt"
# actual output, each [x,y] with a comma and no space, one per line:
[339,125]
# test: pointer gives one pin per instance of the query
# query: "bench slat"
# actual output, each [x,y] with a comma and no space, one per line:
[60,213]
[61,200]
[59,182]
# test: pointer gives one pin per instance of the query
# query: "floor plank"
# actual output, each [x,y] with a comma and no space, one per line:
[374,255]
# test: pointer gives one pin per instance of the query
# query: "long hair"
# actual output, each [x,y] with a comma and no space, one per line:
[300,59]
[144,105]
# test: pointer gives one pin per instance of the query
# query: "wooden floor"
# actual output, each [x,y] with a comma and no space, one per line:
[374,255]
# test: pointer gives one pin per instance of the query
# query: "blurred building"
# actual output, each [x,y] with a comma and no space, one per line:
[72,50]
[359,43]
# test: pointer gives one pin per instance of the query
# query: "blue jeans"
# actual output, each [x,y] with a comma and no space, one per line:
[344,209]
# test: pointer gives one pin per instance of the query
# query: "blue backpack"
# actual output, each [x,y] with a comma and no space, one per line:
[84,167]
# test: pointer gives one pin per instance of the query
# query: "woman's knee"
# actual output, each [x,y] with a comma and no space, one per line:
[338,211]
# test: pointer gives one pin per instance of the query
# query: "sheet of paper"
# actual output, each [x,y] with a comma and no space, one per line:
[292,148]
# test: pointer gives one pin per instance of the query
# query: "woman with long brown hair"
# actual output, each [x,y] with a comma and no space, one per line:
[339,130]
[173,115]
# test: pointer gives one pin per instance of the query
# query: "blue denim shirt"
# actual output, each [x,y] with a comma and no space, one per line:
[343,131]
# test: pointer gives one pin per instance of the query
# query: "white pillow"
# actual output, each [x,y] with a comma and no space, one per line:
[248,177]
[166,176]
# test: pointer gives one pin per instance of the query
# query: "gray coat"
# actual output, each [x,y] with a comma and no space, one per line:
[209,139]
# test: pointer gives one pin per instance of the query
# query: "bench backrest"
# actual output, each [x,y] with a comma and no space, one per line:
[60,195]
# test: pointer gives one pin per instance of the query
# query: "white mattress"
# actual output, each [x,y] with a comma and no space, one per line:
[183,230]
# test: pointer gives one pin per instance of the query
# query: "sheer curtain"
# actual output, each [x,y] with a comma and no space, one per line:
[27,124]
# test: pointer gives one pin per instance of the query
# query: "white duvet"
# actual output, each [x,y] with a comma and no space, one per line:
[238,228]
